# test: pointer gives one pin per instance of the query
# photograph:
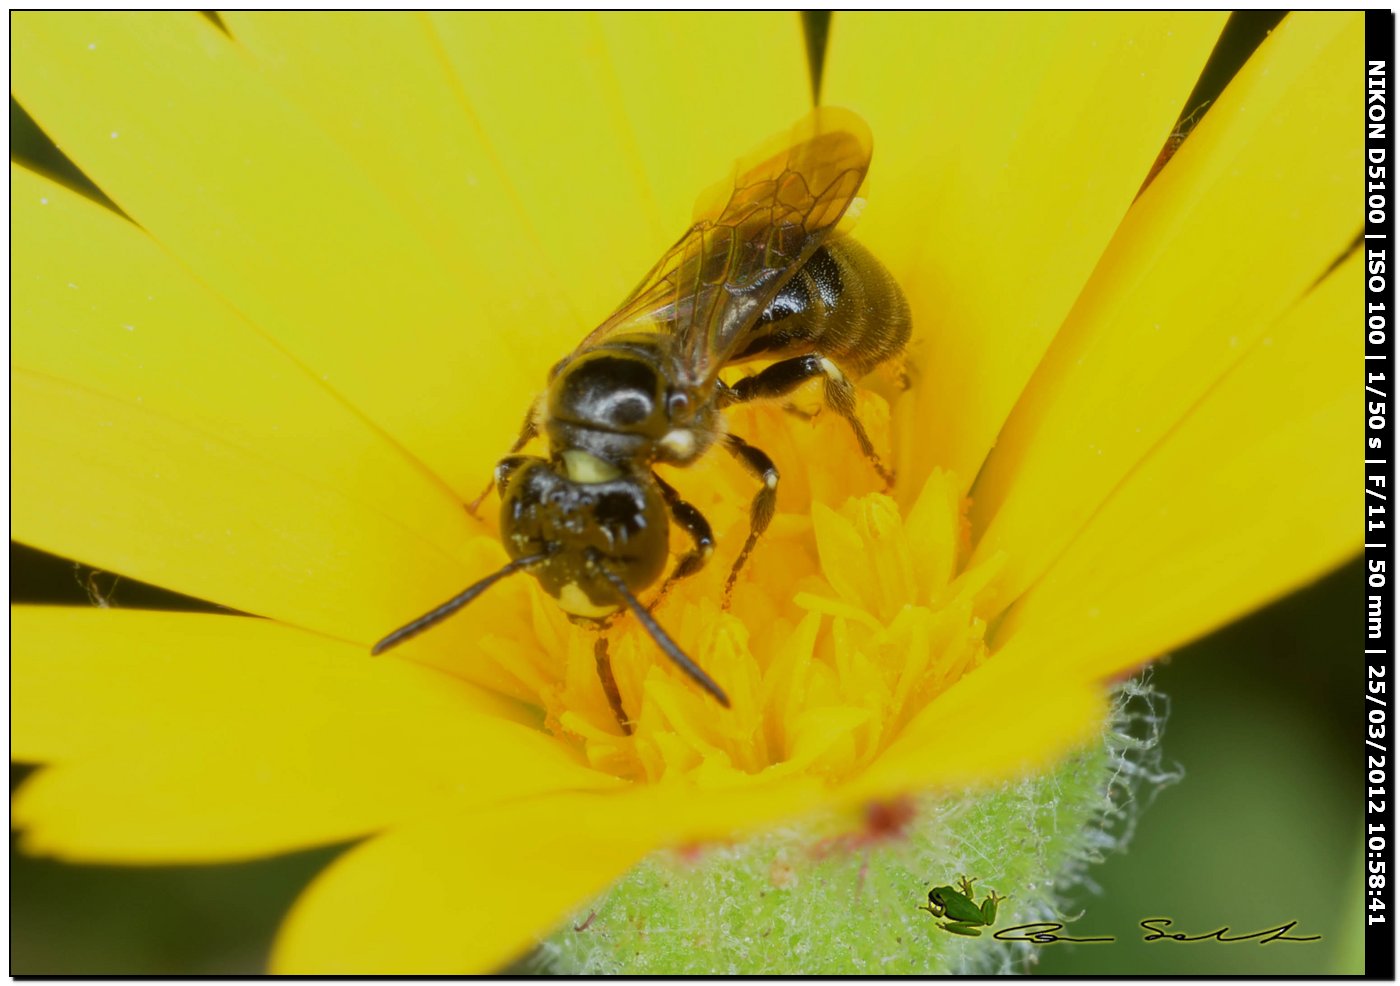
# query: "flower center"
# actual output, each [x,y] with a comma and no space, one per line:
[849,618]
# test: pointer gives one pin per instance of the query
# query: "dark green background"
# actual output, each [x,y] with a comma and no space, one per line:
[1264,827]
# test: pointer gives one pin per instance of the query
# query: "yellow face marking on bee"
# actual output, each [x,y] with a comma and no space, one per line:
[575,602]
[680,442]
[584,467]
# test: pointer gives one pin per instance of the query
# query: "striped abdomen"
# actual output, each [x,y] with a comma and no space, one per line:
[843,304]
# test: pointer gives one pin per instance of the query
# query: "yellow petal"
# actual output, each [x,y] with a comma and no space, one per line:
[174,122]
[610,125]
[96,304]
[135,492]
[202,738]
[686,136]
[460,892]
[273,490]
[1253,495]
[1013,715]
[1249,213]
[467,891]
[1007,150]
[378,84]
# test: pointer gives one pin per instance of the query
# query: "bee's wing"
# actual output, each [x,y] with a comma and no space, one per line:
[749,236]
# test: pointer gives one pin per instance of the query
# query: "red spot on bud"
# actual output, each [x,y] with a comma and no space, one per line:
[884,822]
[888,819]
[690,852]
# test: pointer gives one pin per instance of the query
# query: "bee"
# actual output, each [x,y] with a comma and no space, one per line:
[763,273]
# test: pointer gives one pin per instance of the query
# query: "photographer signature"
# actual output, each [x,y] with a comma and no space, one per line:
[956,908]
[1045,933]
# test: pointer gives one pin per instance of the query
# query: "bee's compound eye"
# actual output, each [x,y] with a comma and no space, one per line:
[678,404]
[609,391]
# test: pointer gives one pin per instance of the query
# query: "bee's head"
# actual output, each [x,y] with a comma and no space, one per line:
[593,534]
[583,515]
[617,403]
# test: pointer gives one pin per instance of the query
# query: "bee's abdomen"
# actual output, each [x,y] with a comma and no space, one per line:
[843,303]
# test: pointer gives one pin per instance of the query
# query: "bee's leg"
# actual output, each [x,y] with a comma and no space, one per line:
[761,513]
[528,430]
[609,682]
[699,530]
[789,374]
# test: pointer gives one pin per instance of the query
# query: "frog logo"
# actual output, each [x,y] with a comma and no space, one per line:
[956,904]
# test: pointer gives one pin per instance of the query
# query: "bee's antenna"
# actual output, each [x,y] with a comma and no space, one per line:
[663,640]
[455,603]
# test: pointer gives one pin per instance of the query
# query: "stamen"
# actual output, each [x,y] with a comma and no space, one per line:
[663,640]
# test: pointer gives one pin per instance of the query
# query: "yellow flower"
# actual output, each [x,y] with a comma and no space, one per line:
[351,247]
